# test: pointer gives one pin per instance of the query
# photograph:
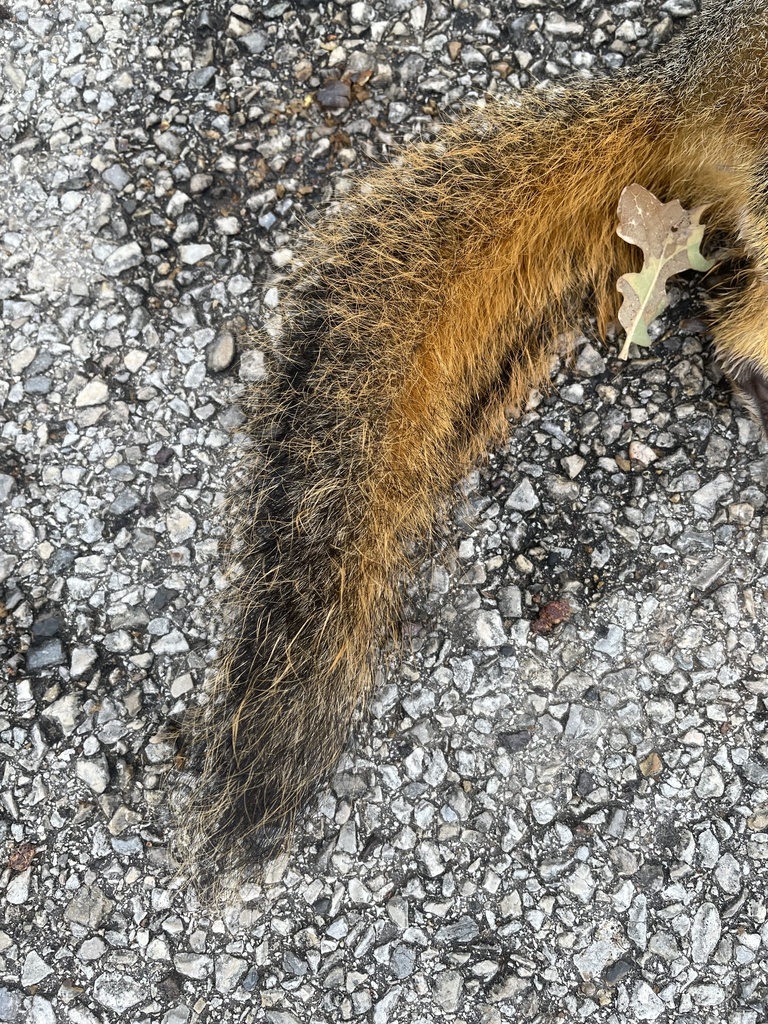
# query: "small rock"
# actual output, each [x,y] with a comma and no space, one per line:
[45,655]
[92,949]
[7,487]
[252,366]
[193,965]
[645,1003]
[229,971]
[705,499]
[10,1005]
[651,765]
[383,1011]
[123,258]
[728,874]
[18,888]
[229,226]
[705,933]
[710,784]
[612,643]
[65,712]
[448,990]
[543,811]
[573,465]
[200,77]
[95,392]
[126,501]
[34,969]
[403,961]
[334,95]
[523,498]
[200,182]
[589,362]
[641,453]
[180,525]
[116,176]
[122,819]
[88,907]
[135,359]
[83,659]
[169,143]
[172,643]
[41,1011]
[94,774]
[489,629]
[20,530]
[464,931]
[119,992]
[195,252]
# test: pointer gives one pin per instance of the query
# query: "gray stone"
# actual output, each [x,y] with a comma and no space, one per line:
[88,907]
[646,1005]
[44,655]
[116,176]
[705,933]
[229,972]
[252,365]
[169,143]
[20,530]
[706,498]
[193,965]
[489,629]
[220,354]
[7,487]
[125,257]
[382,1012]
[119,992]
[10,1005]
[41,1011]
[461,933]
[728,874]
[95,392]
[17,892]
[92,949]
[126,501]
[65,712]
[172,643]
[180,525]
[34,969]
[402,961]
[95,774]
[448,990]
[523,498]
[195,252]
[200,77]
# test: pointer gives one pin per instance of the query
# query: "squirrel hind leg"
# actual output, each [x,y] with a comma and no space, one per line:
[750,382]
[740,332]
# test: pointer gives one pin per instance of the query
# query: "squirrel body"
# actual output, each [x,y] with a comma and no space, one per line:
[430,304]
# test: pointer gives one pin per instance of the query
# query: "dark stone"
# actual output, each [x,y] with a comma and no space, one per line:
[514,741]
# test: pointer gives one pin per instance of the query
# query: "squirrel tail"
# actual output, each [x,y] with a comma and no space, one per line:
[427,308]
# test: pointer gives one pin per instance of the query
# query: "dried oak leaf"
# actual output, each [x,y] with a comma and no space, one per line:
[670,237]
[21,856]
[551,615]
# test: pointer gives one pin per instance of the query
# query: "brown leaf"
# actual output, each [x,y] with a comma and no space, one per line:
[21,857]
[670,238]
[551,615]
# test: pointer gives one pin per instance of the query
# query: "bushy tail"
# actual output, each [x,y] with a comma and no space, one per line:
[430,304]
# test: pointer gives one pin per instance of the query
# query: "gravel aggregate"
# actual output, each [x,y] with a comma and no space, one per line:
[558,809]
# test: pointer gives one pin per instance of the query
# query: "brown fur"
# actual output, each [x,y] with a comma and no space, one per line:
[431,303]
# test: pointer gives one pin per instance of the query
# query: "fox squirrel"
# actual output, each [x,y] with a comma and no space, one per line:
[433,301]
